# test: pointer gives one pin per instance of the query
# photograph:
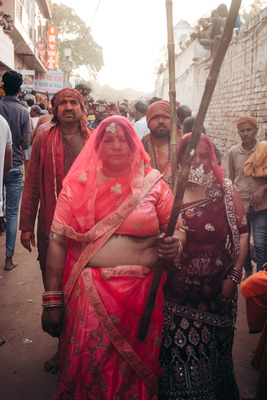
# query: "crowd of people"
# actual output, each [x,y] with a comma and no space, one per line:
[208,33]
[97,177]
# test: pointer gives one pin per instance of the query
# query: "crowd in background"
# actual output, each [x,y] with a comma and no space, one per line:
[104,167]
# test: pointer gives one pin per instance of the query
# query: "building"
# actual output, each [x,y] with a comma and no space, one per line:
[18,44]
[240,89]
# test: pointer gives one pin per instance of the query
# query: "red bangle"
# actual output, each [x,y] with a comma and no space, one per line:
[52,299]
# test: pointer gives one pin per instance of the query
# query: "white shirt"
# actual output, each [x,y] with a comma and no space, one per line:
[5,142]
[141,127]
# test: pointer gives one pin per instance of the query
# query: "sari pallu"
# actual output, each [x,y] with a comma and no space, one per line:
[101,357]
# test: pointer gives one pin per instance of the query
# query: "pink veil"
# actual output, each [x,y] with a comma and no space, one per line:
[89,202]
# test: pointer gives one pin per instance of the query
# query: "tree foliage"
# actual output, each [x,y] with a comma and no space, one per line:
[109,94]
[255,8]
[72,32]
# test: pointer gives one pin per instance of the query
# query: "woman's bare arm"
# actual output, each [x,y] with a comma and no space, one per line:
[52,318]
[228,286]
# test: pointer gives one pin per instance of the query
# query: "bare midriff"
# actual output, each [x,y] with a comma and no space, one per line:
[126,250]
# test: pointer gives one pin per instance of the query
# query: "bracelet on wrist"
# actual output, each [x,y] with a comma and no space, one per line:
[235,271]
[233,279]
[52,299]
[235,274]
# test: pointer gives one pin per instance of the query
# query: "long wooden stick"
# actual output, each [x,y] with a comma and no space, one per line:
[172,92]
[183,176]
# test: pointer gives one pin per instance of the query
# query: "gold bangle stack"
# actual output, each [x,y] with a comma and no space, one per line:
[52,299]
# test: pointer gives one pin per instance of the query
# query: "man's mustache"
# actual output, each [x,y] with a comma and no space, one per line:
[69,113]
[161,126]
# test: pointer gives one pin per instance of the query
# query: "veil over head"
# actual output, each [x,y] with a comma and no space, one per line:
[91,201]
[217,171]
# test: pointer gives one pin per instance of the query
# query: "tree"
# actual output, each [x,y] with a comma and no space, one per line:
[109,94]
[255,8]
[72,31]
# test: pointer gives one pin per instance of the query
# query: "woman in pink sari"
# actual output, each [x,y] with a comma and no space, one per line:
[103,248]
[200,293]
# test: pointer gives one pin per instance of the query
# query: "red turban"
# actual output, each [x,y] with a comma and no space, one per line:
[67,92]
[161,107]
[246,120]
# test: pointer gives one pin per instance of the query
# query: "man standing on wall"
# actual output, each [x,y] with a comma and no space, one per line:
[252,190]
[18,120]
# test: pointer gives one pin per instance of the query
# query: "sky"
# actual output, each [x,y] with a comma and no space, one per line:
[132,32]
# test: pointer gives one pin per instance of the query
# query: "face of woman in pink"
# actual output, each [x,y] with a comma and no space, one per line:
[115,153]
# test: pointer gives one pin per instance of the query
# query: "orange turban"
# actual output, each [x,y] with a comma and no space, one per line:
[75,94]
[246,120]
[161,107]
[67,92]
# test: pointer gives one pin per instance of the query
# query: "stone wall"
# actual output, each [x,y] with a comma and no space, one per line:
[241,87]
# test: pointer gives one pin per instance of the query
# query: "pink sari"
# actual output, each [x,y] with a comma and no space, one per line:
[101,357]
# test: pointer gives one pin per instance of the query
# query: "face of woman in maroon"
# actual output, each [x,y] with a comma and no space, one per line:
[201,157]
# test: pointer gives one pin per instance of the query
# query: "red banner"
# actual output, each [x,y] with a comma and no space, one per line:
[51,47]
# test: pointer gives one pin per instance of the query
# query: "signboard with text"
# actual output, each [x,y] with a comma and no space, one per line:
[51,81]
[51,47]
[28,79]
[41,42]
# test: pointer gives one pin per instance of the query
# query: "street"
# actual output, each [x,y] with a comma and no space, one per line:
[22,376]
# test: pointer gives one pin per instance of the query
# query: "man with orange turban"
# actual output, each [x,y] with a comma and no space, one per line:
[252,189]
[157,142]
[53,153]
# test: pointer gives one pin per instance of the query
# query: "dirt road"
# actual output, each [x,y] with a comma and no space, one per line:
[22,376]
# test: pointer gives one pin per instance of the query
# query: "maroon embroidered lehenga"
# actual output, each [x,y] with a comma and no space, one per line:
[196,353]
